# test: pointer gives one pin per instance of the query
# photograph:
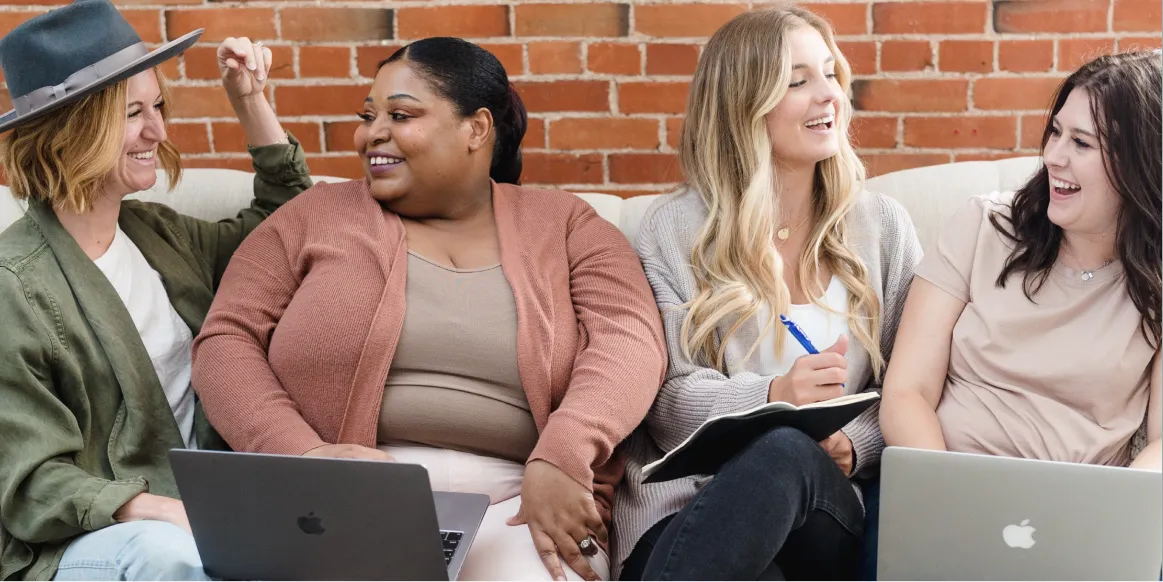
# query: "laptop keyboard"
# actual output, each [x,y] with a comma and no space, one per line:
[451,541]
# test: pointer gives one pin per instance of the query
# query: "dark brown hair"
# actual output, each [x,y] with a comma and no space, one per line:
[1126,98]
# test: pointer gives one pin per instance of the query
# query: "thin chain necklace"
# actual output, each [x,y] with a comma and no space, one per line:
[786,231]
[1086,274]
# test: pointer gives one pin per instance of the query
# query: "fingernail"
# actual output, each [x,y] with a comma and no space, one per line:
[251,66]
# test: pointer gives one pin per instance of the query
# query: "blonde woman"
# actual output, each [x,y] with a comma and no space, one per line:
[773,221]
[100,298]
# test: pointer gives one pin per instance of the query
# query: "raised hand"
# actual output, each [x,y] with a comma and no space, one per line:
[244,67]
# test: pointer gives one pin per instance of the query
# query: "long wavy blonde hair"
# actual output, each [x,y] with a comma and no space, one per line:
[726,156]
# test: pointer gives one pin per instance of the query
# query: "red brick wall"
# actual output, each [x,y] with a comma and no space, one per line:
[936,81]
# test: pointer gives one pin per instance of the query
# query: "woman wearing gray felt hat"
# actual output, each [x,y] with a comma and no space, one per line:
[101,296]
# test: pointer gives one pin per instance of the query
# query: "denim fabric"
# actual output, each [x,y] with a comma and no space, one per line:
[135,550]
[780,509]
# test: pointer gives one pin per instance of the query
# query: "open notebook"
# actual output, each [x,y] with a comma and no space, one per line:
[719,438]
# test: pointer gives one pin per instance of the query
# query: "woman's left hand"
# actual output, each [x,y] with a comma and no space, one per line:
[244,66]
[561,513]
[839,447]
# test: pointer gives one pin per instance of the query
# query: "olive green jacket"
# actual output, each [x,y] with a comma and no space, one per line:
[84,422]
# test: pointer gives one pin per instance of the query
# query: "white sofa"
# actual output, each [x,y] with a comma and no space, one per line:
[929,194]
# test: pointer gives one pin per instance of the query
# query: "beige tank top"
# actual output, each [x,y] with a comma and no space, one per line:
[454,381]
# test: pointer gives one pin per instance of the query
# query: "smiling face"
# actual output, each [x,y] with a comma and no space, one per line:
[415,146]
[1082,199]
[145,130]
[802,126]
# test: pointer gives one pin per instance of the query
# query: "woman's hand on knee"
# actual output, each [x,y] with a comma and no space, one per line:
[562,515]
[147,506]
[839,447]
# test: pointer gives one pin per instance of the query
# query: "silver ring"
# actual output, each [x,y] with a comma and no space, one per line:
[584,544]
[259,43]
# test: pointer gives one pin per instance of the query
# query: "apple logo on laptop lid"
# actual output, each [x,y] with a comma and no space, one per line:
[1020,535]
[311,525]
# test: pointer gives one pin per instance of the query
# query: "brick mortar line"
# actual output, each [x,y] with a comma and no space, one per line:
[635,37]
[670,79]
[861,151]
[510,17]
[398,4]
[954,76]
[362,82]
[660,117]
[938,37]
[551,117]
[866,113]
[396,25]
[616,80]
[941,150]
[595,151]
[644,39]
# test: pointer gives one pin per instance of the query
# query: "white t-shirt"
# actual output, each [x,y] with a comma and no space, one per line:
[821,327]
[166,337]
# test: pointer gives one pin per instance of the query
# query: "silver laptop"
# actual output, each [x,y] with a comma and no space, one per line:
[268,517]
[973,517]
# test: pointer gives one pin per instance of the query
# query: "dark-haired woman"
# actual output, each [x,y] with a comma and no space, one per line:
[1032,329]
[437,313]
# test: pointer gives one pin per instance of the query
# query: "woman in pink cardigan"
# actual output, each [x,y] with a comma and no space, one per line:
[437,313]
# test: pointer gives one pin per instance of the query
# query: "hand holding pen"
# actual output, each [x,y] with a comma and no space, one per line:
[814,377]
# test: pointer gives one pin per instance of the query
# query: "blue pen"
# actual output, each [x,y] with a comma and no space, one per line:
[797,333]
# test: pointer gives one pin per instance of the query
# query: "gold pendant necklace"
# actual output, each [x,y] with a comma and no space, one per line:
[786,231]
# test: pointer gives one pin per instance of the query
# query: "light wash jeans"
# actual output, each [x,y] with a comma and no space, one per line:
[135,550]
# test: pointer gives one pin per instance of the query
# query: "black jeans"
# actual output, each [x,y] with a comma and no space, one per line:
[871,489]
[780,509]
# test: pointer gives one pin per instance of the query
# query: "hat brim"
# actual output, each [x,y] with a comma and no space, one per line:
[156,57]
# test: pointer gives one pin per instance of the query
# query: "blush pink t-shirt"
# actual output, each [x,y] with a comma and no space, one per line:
[1063,378]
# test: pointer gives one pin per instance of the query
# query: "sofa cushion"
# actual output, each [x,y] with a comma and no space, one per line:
[934,193]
